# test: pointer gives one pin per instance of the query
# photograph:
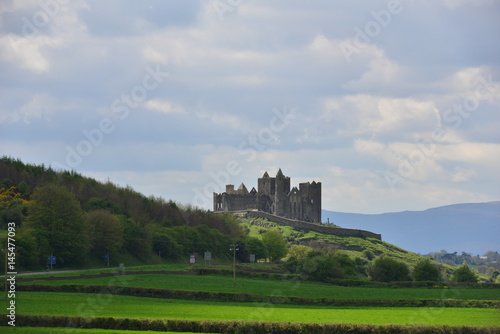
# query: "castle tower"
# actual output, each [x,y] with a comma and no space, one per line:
[274,196]
[264,185]
[282,188]
[311,201]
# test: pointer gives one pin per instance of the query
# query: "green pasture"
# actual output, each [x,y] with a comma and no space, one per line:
[279,287]
[46,330]
[357,244]
[99,305]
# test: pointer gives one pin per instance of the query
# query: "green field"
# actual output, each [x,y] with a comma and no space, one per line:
[276,287]
[76,304]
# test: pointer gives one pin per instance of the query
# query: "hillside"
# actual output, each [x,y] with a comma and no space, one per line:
[353,246]
[80,220]
[469,227]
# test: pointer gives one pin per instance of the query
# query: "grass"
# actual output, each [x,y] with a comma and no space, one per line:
[354,246]
[89,271]
[278,287]
[76,304]
[52,330]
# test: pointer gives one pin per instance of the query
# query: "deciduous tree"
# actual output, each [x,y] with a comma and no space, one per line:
[105,232]
[426,271]
[275,245]
[57,220]
[386,269]
[464,274]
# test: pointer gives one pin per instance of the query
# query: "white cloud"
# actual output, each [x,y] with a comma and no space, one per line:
[462,174]
[479,153]
[152,55]
[39,106]
[368,114]
[27,53]
[163,106]
[354,121]
[454,4]
[382,73]
[51,26]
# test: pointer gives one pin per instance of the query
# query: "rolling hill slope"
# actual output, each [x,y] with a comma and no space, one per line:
[469,227]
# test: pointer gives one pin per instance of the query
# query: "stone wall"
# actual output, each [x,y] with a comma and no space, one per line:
[301,225]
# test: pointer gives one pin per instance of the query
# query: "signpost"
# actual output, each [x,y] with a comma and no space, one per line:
[207,257]
[192,259]
[51,260]
[234,248]
[252,258]
[106,258]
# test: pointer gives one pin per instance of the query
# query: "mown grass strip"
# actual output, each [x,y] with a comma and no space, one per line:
[208,326]
[256,298]
[66,330]
[283,287]
[104,305]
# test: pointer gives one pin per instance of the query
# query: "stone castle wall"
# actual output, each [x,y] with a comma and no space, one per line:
[297,224]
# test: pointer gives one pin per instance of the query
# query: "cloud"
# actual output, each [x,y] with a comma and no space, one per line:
[163,106]
[40,106]
[380,116]
[383,75]
[43,28]
[353,120]
[462,174]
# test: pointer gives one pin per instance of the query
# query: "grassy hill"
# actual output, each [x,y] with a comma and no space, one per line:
[144,229]
[355,247]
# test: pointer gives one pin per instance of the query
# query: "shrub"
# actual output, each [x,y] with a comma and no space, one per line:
[464,274]
[368,254]
[426,271]
[323,267]
[389,270]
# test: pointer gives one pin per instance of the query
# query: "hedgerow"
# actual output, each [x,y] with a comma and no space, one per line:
[240,327]
[246,297]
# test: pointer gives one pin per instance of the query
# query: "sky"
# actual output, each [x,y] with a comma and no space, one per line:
[391,105]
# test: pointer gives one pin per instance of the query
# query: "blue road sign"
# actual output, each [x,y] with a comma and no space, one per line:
[51,260]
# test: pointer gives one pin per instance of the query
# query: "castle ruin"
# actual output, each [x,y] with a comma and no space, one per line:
[274,196]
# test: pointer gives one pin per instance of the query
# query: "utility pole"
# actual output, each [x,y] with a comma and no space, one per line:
[234,248]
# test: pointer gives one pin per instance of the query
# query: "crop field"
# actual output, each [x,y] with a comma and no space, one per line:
[76,304]
[278,287]
[61,309]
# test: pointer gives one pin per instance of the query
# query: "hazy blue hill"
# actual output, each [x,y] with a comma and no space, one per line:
[469,227]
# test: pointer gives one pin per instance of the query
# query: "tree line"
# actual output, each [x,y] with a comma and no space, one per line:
[80,220]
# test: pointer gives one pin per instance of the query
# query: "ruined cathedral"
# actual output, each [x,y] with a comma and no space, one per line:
[274,196]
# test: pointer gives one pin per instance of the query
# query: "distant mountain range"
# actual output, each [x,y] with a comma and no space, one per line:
[470,227]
